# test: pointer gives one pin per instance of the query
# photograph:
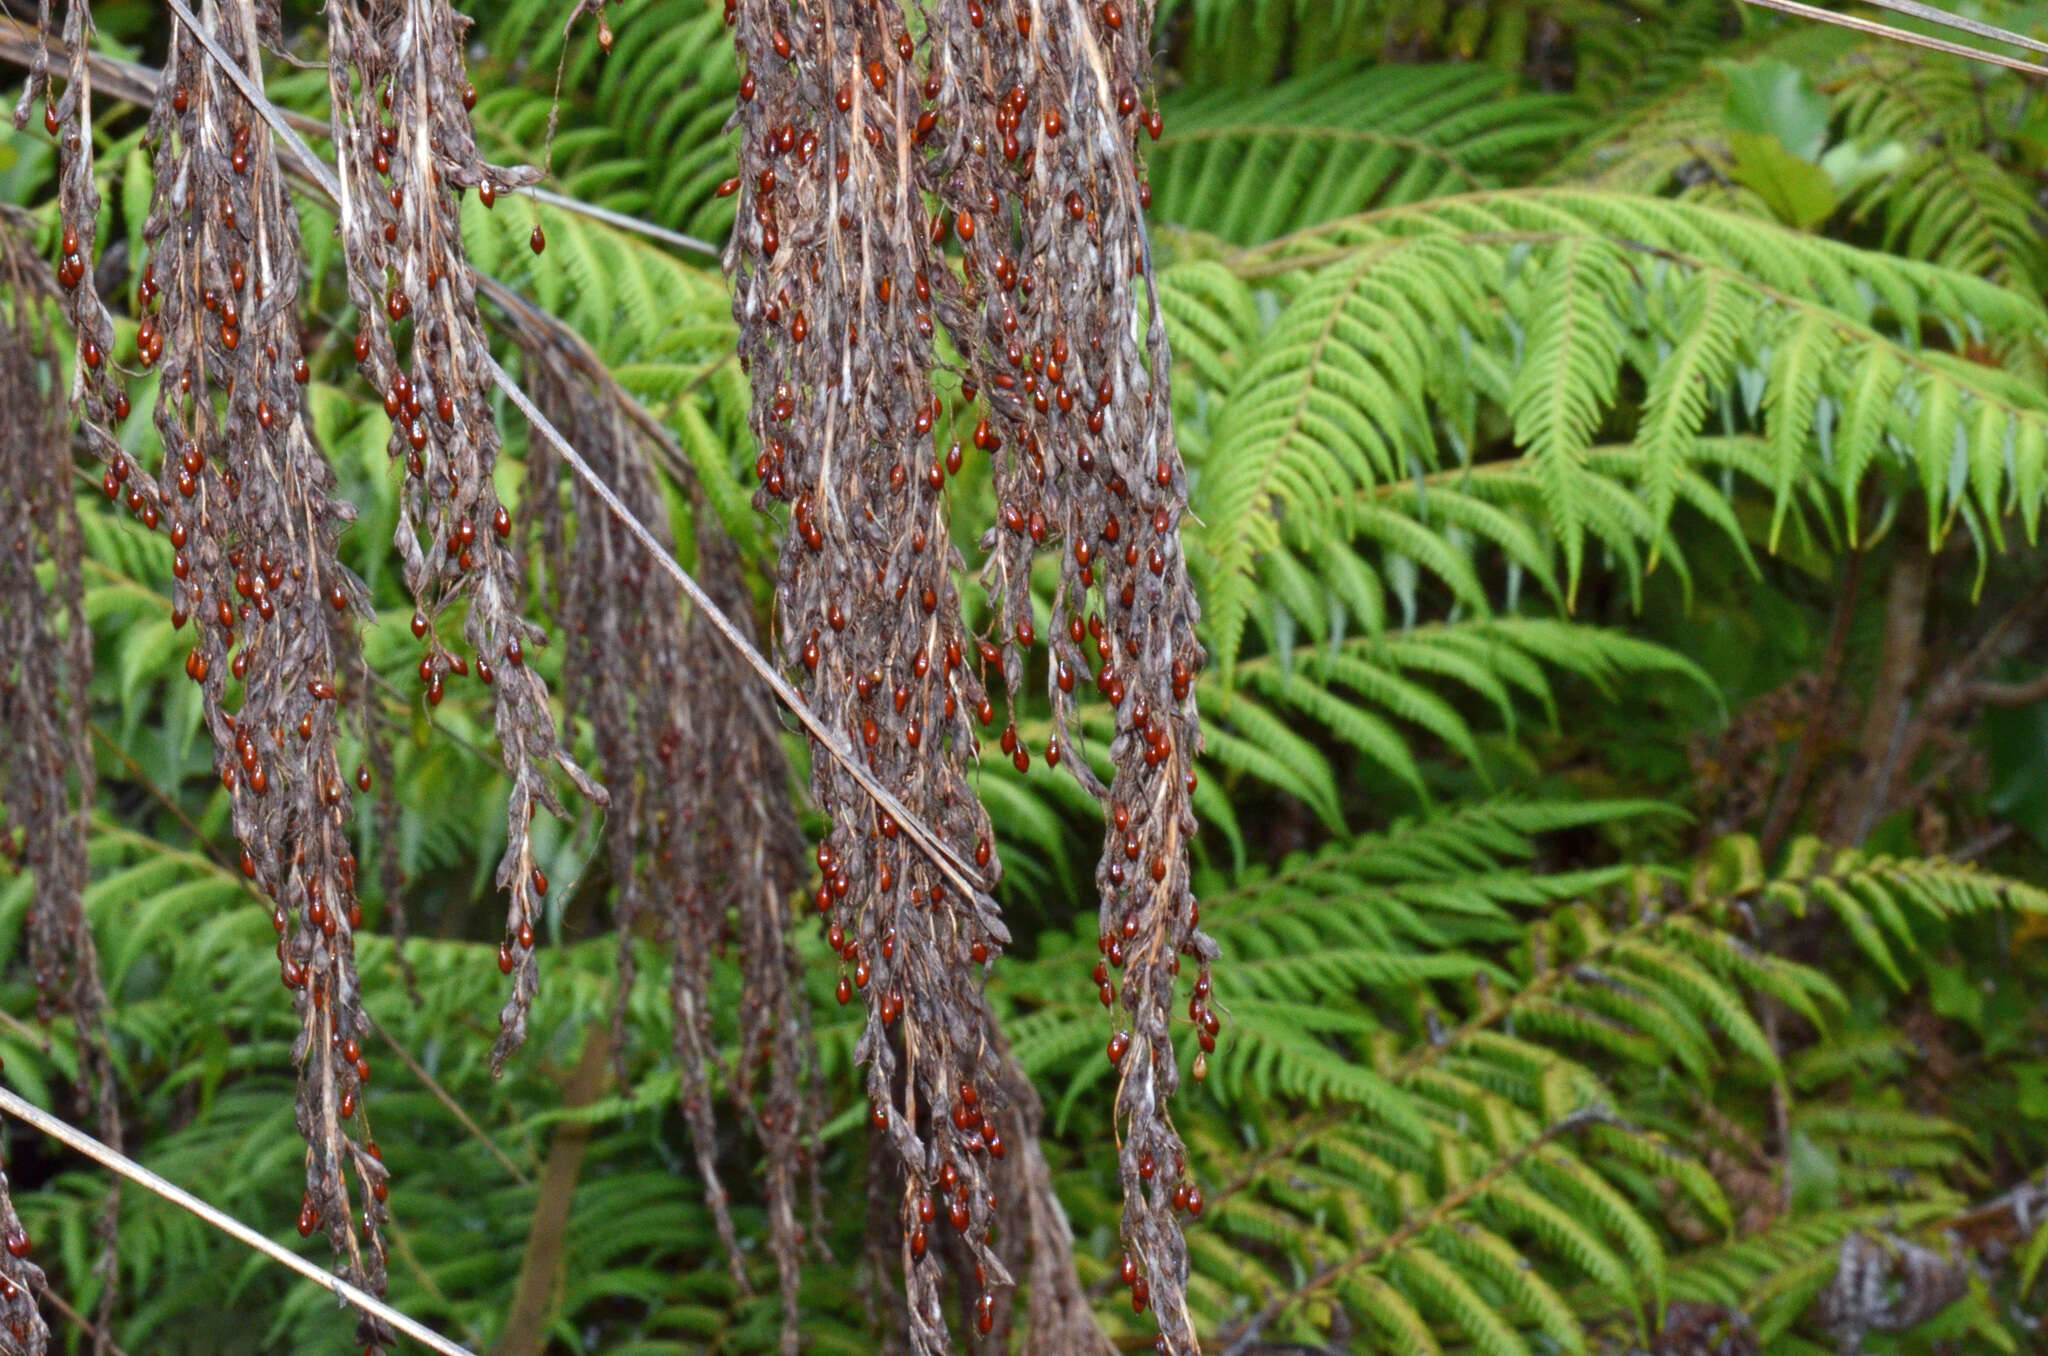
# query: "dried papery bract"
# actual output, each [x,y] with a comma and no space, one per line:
[1040,108]
[46,793]
[703,837]
[274,613]
[406,151]
[829,264]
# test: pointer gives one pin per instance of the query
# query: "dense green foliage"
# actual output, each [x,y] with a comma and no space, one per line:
[1576,398]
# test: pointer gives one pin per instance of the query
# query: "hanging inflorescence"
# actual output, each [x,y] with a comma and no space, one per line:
[832,274]
[406,152]
[1022,122]
[703,839]
[274,613]
[45,670]
[1038,176]
[752,851]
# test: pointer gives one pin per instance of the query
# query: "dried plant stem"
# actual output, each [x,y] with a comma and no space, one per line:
[72,1137]
[623,221]
[98,1334]
[1878,30]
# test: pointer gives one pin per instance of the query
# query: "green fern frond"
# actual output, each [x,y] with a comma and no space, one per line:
[1250,165]
[1333,429]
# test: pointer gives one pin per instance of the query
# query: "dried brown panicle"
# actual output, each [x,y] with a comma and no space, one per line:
[829,265]
[45,674]
[1022,122]
[406,151]
[1038,111]
[703,838]
[99,402]
[255,521]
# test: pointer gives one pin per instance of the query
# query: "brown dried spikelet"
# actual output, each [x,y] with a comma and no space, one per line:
[753,848]
[422,346]
[99,398]
[254,518]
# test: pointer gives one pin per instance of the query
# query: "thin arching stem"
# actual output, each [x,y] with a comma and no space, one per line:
[72,1137]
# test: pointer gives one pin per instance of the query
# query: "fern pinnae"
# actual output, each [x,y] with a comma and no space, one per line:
[1502,1264]
[1803,349]
[1283,430]
[1404,536]
[1442,1288]
[1572,1179]
[1477,500]
[1856,920]
[1704,993]
[1567,376]
[1264,745]
[1392,1313]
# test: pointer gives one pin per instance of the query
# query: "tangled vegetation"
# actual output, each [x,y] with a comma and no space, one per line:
[1584,464]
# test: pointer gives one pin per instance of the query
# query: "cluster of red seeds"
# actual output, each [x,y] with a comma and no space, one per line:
[254,521]
[401,103]
[102,400]
[1022,123]
[834,295]
[21,1281]
[1039,178]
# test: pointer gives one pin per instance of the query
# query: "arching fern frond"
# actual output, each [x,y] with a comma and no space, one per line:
[1248,166]
[1402,329]
[1452,1149]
